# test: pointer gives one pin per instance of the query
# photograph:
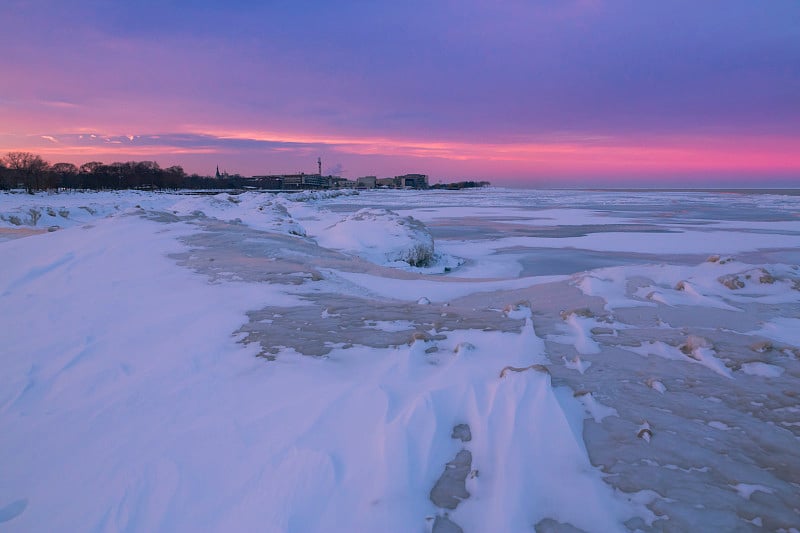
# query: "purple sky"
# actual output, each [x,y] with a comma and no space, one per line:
[518,92]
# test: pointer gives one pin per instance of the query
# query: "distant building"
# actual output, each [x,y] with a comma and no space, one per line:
[315,181]
[412,181]
[318,181]
[343,183]
[267,182]
[366,182]
[222,174]
[294,181]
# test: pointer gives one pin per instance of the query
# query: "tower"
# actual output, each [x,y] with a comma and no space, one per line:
[218,174]
[319,165]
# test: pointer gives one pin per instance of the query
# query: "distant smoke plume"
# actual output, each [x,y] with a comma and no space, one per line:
[335,170]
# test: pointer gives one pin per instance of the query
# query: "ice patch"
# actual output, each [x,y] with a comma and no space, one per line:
[715,284]
[762,369]
[577,364]
[684,293]
[409,290]
[695,350]
[518,311]
[746,490]
[326,314]
[781,329]
[597,410]
[610,284]
[390,325]
[13,510]
[578,333]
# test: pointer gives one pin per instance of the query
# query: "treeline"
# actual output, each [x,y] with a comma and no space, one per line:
[31,172]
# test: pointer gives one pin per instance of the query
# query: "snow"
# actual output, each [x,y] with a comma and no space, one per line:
[577,364]
[722,426]
[746,490]
[391,325]
[781,329]
[283,362]
[595,409]
[439,291]
[694,351]
[686,241]
[578,333]
[381,236]
[762,369]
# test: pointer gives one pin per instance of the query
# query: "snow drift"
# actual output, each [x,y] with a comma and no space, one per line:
[381,236]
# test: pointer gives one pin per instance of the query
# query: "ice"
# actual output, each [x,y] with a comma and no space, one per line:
[597,410]
[611,286]
[746,490]
[391,325]
[577,364]
[762,369]
[781,329]
[722,426]
[578,333]
[695,350]
[275,362]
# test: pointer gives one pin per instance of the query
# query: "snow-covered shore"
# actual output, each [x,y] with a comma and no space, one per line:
[309,362]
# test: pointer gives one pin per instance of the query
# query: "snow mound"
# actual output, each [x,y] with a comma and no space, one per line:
[44,210]
[309,196]
[381,236]
[265,212]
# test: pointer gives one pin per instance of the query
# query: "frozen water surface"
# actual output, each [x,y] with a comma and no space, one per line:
[621,361]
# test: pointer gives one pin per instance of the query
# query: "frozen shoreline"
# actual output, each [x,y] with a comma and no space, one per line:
[179,412]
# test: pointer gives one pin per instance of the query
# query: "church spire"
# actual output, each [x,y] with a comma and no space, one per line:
[218,175]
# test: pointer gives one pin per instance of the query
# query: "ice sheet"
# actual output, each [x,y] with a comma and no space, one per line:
[217,362]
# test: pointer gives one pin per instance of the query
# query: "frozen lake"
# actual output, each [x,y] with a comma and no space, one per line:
[580,360]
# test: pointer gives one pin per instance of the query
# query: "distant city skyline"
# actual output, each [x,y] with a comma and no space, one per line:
[568,93]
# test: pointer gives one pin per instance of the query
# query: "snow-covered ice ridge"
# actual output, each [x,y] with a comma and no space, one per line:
[487,360]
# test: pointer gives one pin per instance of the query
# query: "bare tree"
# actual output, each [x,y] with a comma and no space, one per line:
[64,168]
[62,175]
[31,166]
[90,167]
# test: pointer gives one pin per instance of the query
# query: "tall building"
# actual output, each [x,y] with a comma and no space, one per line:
[413,181]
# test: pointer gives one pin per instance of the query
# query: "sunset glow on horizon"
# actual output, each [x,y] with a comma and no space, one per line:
[559,93]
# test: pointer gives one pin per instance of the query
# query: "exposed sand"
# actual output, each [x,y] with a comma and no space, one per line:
[11,233]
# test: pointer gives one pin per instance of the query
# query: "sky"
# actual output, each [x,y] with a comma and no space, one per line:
[519,92]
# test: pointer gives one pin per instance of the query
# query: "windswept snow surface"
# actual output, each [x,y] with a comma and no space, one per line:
[620,361]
